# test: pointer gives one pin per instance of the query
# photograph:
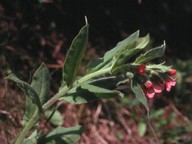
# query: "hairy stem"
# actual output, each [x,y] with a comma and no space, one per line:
[28,126]
[54,99]
[36,116]
[95,74]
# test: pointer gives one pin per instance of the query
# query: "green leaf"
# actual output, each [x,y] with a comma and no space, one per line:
[30,92]
[142,128]
[130,50]
[41,84]
[157,113]
[160,67]
[56,117]
[103,87]
[29,110]
[32,139]
[151,54]
[140,96]
[75,55]
[79,96]
[98,64]
[100,91]
[61,135]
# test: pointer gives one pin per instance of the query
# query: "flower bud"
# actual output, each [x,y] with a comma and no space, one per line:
[148,84]
[141,69]
[172,72]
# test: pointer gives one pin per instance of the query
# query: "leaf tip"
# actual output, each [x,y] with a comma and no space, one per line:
[164,43]
[163,46]
[43,64]
[86,21]
[148,36]
[138,31]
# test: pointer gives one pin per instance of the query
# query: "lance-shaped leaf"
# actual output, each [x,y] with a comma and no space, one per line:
[32,139]
[61,135]
[30,92]
[75,55]
[98,64]
[151,54]
[139,94]
[160,67]
[84,93]
[41,84]
[29,110]
[54,116]
[79,96]
[100,91]
[130,50]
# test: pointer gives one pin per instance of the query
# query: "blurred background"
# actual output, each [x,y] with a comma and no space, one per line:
[36,31]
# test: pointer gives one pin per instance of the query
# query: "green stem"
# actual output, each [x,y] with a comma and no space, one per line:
[49,103]
[29,125]
[95,74]
[35,116]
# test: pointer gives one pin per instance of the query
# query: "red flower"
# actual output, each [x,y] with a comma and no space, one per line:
[152,89]
[148,84]
[169,83]
[150,92]
[158,88]
[141,69]
[172,72]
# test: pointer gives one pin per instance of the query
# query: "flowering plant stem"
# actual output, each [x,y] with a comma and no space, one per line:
[28,126]
[52,101]
[85,89]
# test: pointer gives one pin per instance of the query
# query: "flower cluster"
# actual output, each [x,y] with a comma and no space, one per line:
[151,88]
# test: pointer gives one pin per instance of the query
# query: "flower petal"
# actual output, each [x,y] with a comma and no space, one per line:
[150,93]
[168,88]
[158,88]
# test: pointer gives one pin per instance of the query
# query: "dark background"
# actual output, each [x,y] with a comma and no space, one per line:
[110,21]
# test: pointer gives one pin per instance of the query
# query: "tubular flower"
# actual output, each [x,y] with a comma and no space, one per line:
[150,92]
[141,69]
[152,89]
[172,72]
[158,88]
[169,83]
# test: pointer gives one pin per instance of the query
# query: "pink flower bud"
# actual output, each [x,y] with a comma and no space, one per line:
[172,72]
[148,84]
[141,69]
